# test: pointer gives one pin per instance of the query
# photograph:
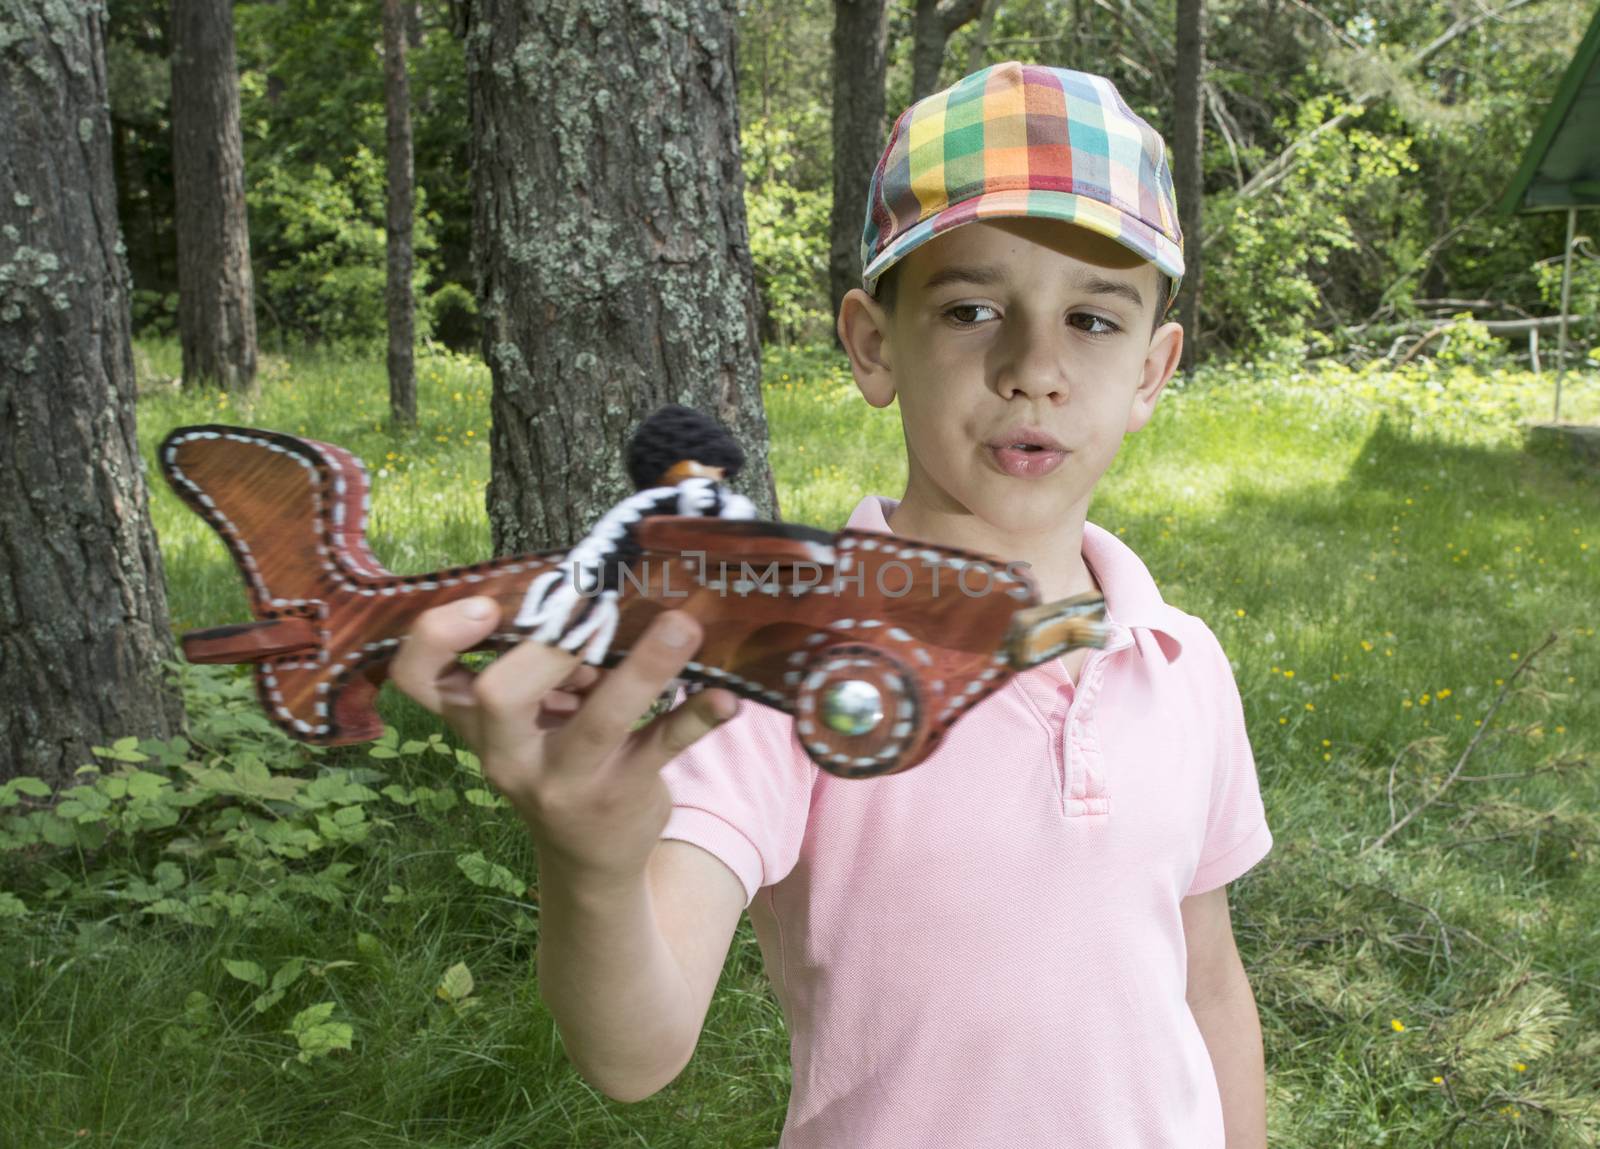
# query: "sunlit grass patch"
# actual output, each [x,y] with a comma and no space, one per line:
[428,483]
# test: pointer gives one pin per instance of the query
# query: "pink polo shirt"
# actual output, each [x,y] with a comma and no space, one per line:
[986,950]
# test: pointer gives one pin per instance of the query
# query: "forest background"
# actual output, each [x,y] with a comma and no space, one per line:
[1323,257]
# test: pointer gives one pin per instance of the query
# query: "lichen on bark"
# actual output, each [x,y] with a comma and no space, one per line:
[612,248]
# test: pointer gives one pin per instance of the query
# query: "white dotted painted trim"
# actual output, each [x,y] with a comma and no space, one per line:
[339,554]
[899,733]
[716,676]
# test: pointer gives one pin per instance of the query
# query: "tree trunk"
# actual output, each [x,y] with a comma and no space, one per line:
[401,305]
[933,25]
[860,31]
[83,610]
[927,48]
[980,42]
[216,309]
[613,255]
[1188,155]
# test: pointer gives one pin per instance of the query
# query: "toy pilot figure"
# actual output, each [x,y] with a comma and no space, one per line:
[678,460]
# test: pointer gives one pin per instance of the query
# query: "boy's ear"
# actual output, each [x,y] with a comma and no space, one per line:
[864,331]
[1160,361]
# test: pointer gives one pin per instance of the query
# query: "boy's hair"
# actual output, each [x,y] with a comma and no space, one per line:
[889,280]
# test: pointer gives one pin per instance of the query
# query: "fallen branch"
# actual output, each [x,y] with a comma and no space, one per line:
[1493,326]
[1460,931]
[1470,305]
[1423,342]
[1477,737]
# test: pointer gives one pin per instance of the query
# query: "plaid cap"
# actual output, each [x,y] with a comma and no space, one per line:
[1023,140]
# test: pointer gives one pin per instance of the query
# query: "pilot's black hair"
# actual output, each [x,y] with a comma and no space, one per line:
[675,433]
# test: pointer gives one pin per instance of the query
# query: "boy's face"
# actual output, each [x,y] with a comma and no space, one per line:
[1007,326]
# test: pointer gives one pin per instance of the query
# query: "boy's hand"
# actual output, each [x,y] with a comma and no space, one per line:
[555,735]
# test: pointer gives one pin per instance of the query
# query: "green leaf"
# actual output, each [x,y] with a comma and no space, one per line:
[30,786]
[311,1015]
[236,905]
[246,971]
[486,798]
[168,875]
[254,780]
[56,831]
[289,840]
[11,906]
[456,983]
[382,752]
[368,945]
[167,753]
[321,1040]
[316,1035]
[288,973]
[482,872]
[399,795]
[437,801]
[122,750]
[333,788]
[267,1000]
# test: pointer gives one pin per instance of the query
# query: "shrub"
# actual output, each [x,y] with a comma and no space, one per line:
[317,239]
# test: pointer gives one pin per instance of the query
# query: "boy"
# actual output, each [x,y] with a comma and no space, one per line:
[1024,941]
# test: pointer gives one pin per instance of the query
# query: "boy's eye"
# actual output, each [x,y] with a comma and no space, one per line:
[960,313]
[1106,327]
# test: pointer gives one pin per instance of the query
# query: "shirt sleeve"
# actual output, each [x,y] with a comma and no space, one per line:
[1237,836]
[743,792]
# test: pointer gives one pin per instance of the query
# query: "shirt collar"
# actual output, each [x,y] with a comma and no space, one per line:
[1132,600]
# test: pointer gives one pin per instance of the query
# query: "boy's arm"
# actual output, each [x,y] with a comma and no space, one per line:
[1224,1008]
[631,935]
[628,970]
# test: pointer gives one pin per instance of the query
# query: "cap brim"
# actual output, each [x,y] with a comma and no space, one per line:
[1090,214]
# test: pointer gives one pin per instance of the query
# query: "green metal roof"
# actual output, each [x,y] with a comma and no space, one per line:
[1561,168]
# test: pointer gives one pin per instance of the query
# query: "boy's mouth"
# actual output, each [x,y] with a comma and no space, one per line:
[1026,453]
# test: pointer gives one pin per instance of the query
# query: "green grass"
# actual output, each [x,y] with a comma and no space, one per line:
[1375,551]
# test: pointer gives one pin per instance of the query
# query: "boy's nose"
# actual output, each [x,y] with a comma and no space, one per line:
[1034,367]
